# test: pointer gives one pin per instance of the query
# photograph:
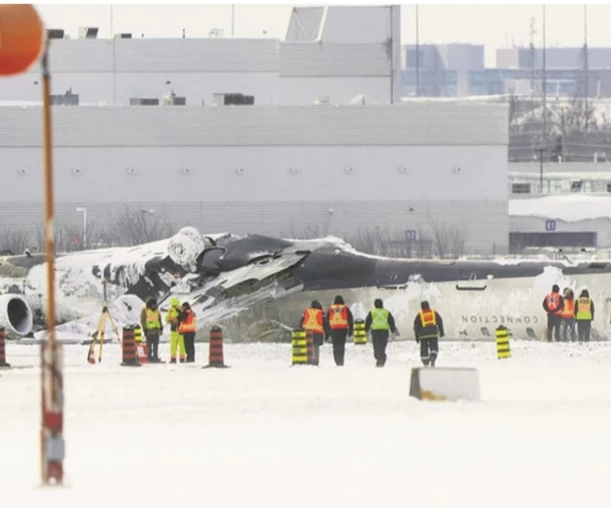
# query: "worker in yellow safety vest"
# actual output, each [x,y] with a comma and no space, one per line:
[584,315]
[428,328]
[177,341]
[381,323]
[152,327]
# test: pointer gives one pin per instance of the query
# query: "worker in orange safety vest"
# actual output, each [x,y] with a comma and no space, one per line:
[428,329]
[186,328]
[553,303]
[341,326]
[567,323]
[314,320]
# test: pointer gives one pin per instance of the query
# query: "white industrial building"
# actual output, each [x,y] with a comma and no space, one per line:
[330,54]
[569,221]
[420,167]
[560,205]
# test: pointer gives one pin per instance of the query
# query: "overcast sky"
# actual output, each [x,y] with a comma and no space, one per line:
[492,25]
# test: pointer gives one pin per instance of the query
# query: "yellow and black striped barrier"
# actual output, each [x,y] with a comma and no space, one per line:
[137,334]
[299,347]
[360,337]
[502,342]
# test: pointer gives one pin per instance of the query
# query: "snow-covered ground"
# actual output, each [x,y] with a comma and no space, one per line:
[262,434]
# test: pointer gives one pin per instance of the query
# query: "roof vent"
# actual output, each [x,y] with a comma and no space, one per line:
[123,36]
[55,33]
[88,32]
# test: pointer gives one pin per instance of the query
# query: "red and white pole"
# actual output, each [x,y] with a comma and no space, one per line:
[22,38]
[52,438]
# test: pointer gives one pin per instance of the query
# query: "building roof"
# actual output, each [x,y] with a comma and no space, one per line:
[571,208]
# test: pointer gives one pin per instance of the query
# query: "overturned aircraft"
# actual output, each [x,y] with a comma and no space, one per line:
[256,287]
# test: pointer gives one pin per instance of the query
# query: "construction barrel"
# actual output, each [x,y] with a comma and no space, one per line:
[310,347]
[141,346]
[3,363]
[360,336]
[299,347]
[502,342]
[216,357]
[128,348]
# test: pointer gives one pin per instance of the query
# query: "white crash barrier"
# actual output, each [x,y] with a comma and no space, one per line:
[444,383]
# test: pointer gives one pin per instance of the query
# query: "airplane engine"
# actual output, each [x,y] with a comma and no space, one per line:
[185,247]
[15,316]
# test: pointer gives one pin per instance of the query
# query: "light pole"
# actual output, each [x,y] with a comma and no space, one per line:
[83,210]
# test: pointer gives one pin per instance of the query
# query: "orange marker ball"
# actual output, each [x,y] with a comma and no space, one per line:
[21,38]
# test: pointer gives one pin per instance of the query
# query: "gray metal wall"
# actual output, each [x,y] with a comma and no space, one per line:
[275,170]
[113,71]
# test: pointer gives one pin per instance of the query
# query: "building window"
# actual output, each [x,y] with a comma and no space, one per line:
[520,188]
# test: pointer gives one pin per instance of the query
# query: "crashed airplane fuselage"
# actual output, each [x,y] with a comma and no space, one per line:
[257,287]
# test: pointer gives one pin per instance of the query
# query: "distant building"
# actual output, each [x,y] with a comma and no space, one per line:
[555,58]
[570,212]
[440,69]
[331,54]
[577,221]
[519,70]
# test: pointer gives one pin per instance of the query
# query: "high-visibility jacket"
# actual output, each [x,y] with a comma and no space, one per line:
[428,319]
[379,319]
[553,303]
[153,319]
[313,320]
[188,324]
[338,317]
[584,309]
[568,309]
[172,318]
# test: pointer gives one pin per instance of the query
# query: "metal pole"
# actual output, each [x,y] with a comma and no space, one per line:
[541,170]
[51,434]
[232,20]
[585,57]
[114,57]
[544,83]
[85,228]
[392,58]
[417,54]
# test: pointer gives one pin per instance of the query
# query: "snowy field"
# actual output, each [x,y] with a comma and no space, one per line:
[261,434]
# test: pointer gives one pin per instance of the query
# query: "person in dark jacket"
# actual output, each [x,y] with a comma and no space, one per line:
[341,326]
[567,316]
[152,327]
[428,328]
[186,328]
[553,304]
[381,323]
[314,319]
[584,315]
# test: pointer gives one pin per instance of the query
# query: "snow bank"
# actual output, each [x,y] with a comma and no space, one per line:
[264,434]
[572,208]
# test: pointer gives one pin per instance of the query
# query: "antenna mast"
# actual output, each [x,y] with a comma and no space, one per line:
[417,54]
[533,76]
[544,84]
[585,65]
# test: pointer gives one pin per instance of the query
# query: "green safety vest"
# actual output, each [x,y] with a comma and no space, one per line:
[152,319]
[379,319]
[584,309]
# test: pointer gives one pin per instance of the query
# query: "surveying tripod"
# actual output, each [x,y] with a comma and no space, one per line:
[98,335]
